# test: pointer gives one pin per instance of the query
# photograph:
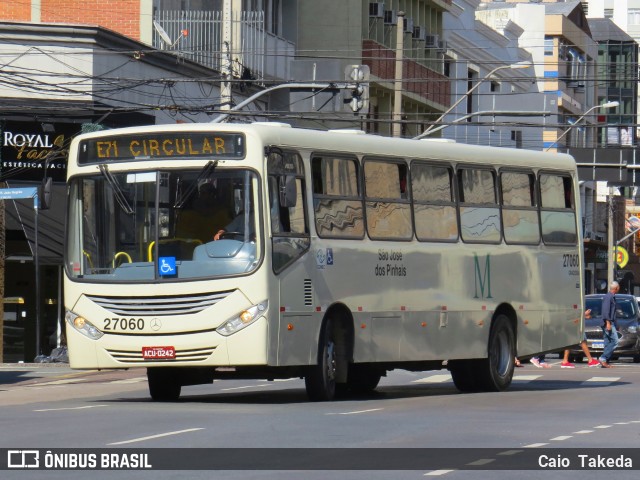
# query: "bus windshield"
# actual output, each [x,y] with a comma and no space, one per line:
[162,225]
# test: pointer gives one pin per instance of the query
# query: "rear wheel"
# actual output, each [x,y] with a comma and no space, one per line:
[363,378]
[463,373]
[491,374]
[320,380]
[498,370]
[164,384]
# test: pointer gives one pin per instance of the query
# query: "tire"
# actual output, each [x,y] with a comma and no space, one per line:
[498,371]
[320,380]
[363,378]
[464,376]
[164,384]
[491,374]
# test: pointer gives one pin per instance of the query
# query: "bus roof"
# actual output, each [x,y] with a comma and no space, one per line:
[350,141]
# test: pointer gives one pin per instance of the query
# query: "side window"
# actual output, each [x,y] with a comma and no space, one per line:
[557,210]
[337,202]
[286,187]
[387,200]
[434,208]
[519,210]
[479,212]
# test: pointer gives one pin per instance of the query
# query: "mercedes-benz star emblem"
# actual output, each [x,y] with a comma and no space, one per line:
[156,324]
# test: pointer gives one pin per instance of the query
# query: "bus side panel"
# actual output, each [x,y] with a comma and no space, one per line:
[298,324]
[297,339]
[558,277]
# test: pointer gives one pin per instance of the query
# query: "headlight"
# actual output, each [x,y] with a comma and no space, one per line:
[82,325]
[243,319]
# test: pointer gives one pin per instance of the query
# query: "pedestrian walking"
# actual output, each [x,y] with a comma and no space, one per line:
[591,362]
[609,325]
[540,362]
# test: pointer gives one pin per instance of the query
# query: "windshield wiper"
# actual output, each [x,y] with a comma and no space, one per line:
[205,172]
[117,191]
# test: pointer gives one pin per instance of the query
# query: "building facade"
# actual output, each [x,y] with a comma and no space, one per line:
[495,79]
[58,81]
[333,34]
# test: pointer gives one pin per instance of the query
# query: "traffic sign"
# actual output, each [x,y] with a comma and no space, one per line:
[622,257]
[16,193]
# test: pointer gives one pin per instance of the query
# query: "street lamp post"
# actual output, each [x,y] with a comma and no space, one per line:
[613,104]
[397,86]
[430,128]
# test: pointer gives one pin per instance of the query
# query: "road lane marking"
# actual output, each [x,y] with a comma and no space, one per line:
[580,432]
[130,380]
[244,387]
[69,408]
[603,426]
[437,473]
[151,437]
[434,379]
[561,438]
[535,445]
[482,461]
[525,378]
[356,412]
[59,382]
[440,378]
[622,423]
[510,452]
[602,380]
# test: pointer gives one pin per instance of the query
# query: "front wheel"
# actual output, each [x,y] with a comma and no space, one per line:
[320,380]
[164,384]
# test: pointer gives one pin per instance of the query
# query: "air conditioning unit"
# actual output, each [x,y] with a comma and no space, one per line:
[408,25]
[376,9]
[442,45]
[419,33]
[390,17]
[600,238]
[431,41]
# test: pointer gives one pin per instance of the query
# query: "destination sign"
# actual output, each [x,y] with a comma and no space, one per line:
[150,146]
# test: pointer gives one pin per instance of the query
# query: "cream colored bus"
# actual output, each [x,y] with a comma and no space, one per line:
[210,251]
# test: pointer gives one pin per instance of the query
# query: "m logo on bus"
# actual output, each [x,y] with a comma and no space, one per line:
[482,278]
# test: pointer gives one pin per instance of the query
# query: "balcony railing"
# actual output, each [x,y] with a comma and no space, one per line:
[265,55]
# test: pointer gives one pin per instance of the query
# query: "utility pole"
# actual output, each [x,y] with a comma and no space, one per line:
[611,250]
[225,63]
[397,84]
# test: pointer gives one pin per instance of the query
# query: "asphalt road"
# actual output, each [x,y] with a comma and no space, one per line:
[48,407]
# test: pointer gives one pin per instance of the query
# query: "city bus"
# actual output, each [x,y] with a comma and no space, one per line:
[261,251]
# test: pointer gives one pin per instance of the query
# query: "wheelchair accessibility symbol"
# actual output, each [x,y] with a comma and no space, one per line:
[167,266]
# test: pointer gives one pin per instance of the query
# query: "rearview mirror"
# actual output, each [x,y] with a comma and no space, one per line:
[288,189]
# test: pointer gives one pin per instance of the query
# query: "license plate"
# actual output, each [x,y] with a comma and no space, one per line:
[158,353]
[597,345]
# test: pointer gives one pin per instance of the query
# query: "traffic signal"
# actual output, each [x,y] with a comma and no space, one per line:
[358,78]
